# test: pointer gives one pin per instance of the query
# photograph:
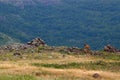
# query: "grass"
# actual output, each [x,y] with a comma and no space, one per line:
[110,56]
[17,77]
[98,65]
[53,66]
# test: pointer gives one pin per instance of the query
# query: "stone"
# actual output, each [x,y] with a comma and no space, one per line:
[96,53]
[36,42]
[74,50]
[96,75]
[109,48]
[17,54]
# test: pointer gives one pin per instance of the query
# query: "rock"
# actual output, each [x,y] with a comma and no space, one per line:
[37,73]
[18,46]
[16,54]
[36,42]
[96,75]
[96,53]
[15,46]
[63,56]
[109,48]
[74,50]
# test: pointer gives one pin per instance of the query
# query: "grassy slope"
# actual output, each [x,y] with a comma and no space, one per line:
[5,39]
[34,66]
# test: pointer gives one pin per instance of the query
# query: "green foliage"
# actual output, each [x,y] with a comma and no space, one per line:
[72,23]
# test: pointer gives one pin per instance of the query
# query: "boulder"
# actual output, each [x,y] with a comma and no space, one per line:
[96,75]
[36,42]
[74,50]
[16,54]
[109,48]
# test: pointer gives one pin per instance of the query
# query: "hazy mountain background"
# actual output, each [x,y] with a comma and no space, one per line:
[61,22]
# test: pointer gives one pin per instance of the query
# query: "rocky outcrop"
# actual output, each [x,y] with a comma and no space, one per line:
[109,48]
[74,49]
[15,46]
[18,46]
[71,50]
[36,42]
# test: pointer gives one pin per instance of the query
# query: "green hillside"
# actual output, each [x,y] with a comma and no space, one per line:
[67,22]
[4,39]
